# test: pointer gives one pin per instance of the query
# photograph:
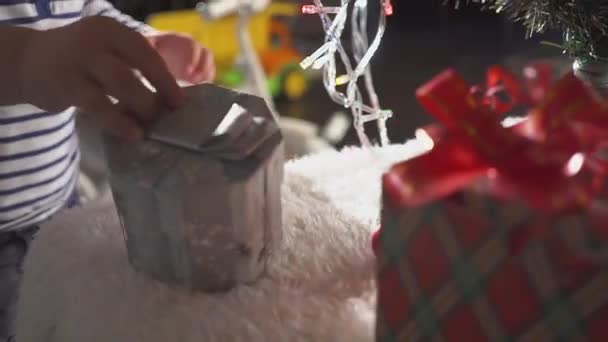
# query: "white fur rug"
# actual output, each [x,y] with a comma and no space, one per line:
[319,286]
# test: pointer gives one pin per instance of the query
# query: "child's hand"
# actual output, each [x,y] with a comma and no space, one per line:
[80,64]
[187,60]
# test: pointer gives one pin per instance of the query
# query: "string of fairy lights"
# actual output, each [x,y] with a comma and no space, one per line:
[344,89]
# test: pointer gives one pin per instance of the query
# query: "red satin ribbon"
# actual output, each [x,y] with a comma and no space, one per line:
[528,161]
[504,91]
[475,142]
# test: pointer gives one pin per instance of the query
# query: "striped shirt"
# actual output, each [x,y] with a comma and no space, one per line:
[39,150]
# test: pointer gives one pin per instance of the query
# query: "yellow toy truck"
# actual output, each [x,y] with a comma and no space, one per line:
[271,39]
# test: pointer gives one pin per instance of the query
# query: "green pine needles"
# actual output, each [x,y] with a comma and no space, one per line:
[583,23]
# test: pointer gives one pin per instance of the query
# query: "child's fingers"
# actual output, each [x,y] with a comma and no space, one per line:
[121,82]
[92,99]
[195,59]
[205,68]
[140,55]
[122,126]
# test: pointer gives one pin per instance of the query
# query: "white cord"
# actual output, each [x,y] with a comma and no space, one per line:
[254,66]
[245,9]
[326,57]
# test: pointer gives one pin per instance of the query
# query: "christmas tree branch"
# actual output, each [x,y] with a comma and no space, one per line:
[583,23]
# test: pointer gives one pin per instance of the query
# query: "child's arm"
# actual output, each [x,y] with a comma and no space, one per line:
[106,9]
[186,59]
[79,65]
[13,41]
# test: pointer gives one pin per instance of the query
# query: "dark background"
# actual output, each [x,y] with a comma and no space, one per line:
[423,38]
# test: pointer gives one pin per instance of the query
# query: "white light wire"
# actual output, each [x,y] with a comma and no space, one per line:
[363,52]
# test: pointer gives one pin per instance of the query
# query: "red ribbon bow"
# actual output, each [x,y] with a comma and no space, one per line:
[538,161]
[475,144]
[529,91]
[504,92]
[533,161]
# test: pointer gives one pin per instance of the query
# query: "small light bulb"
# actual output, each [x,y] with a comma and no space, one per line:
[386,114]
[320,62]
[425,139]
[310,9]
[492,173]
[575,164]
[342,80]
[313,9]
[361,3]
[388,8]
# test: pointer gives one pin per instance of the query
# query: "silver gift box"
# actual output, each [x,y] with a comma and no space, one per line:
[200,198]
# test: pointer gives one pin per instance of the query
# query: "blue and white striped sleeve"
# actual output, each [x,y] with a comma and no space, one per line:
[104,8]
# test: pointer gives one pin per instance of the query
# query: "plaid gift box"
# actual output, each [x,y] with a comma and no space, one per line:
[496,234]
[447,272]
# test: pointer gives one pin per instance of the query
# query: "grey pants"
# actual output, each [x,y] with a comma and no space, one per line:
[13,249]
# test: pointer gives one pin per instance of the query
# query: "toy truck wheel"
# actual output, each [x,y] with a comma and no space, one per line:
[294,85]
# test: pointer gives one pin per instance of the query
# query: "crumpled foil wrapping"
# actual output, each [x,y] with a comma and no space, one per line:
[198,209]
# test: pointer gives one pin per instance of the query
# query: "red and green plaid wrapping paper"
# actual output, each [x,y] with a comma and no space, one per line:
[491,236]
[446,272]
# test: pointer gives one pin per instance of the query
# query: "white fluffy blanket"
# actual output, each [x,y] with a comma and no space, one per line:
[319,286]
